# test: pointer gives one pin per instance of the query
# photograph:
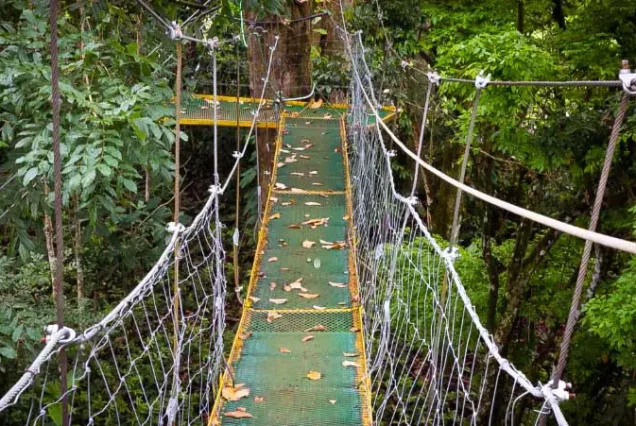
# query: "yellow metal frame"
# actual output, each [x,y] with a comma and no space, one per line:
[362,379]
[265,124]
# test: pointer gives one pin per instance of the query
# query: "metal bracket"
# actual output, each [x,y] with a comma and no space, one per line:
[628,79]
[433,77]
[482,81]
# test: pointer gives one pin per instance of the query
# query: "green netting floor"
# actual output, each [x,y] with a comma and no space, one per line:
[272,360]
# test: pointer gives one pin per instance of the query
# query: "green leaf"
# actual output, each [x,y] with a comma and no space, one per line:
[8,352]
[30,175]
[130,185]
[17,332]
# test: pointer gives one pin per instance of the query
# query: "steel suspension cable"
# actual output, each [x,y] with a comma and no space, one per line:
[56,101]
[587,251]
[462,174]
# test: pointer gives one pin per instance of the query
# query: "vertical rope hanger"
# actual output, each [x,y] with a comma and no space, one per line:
[236,238]
[56,101]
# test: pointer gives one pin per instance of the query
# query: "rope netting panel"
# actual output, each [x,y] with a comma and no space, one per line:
[430,359]
[151,360]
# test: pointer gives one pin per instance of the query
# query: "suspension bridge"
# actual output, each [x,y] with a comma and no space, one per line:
[354,315]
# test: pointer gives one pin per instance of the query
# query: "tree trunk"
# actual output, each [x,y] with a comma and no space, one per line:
[558,14]
[520,15]
[48,236]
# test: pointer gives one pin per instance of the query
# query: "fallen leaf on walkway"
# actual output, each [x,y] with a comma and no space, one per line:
[272,286]
[332,401]
[350,354]
[318,327]
[278,301]
[294,114]
[284,269]
[312,203]
[328,116]
[308,244]
[297,190]
[297,285]
[299,148]
[317,184]
[286,287]
[258,399]
[238,414]
[279,185]
[305,157]
[307,339]
[273,316]
[350,364]
[254,299]
[274,216]
[284,350]
[316,104]
[319,308]
[339,285]
[284,150]
[313,172]
[272,259]
[314,375]
[297,174]
[305,141]
[309,295]
[235,393]
[346,217]
[287,203]
[339,245]
[274,200]
[294,226]
[280,165]
[245,336]
[316,222]
[291,159]
[354,329]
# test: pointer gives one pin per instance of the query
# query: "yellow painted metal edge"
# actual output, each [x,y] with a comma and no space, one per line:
[226,123]
[363,380]
[304,192]
[237,344]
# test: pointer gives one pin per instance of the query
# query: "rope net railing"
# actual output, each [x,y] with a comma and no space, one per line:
[431,361]
[125,369]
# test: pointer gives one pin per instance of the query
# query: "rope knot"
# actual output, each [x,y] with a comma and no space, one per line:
[391,153]
[482,81]
[60,335]
[175,227]
[412,200]
[215,190]
[237,154]
[561,392]
[433,77]
[450,253]
[175,31]
[212,43]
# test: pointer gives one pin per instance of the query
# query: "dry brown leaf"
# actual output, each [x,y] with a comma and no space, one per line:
[297,174]
[354,329]
[287,203]
[317,184]
[351,354]
[278,301]
[316,222]
[291,159]
[284,269]
[332,401]
[308,244]
[272,259]
[346,217]
[309,295]
[258,399]
[297,285]
[328,116]
[273,316]
[286,287]
[284,350]
[245,336]
[274,216]
[274,200]
[318,327]
[313,173]
[254,299]
[314,375]
[316,104]
[319,308]
[312,203]
[295,113]
[284,150]
[355,298]
[307,339]
[294,226]
[350,364]
[339,245]
[304,157]
[234,393]
[238,414]
[272,285]
[297,190]
[299,148]
[339,285]
[279,185]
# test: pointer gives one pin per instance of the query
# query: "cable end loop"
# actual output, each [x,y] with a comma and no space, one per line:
[433,77]
[60,335]
[628,80]
[215,190]
[560,393]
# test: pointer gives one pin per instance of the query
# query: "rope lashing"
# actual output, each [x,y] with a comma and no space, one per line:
[175,31]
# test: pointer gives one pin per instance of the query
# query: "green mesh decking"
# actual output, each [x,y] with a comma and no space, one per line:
[197,110]
[280,391]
